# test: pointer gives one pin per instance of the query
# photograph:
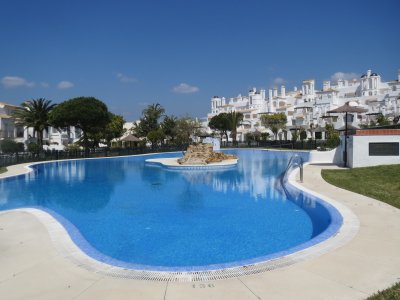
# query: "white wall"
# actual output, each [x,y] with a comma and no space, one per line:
[333,156]
[358,151]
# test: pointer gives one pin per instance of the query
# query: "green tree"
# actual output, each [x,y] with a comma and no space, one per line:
[86,113]
[234,121]
[332,137]
[186,128]
[295,135]
[381,120]
[35,114]
[303,134]
[264,136]
[220,123]
[149,120]
[114,129]
[155,137]
[168,125]
[274,122]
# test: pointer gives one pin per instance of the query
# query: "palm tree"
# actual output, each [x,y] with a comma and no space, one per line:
[149,120]
[153,113]
[235,119]
[35,114]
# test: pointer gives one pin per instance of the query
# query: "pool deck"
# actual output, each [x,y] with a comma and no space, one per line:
[31,267]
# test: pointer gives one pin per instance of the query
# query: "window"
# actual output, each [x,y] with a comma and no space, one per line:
[20,132]
[383,149]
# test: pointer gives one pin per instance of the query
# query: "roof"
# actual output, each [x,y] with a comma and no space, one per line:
[349,127]
[4,116]
[327,91]
[130,138]
[320,129]
[9,105]
[348,108]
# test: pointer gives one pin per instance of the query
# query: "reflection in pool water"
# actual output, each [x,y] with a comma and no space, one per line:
[141,214]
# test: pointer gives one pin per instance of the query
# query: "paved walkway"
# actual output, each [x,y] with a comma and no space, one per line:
[32,268]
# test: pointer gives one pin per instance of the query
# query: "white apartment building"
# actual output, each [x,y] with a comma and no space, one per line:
[308,107]
[53,137]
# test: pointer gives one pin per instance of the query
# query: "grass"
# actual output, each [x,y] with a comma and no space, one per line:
[3,170]
[381,182]
[392,293]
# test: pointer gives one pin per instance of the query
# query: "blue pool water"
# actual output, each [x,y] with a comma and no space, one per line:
[133,214]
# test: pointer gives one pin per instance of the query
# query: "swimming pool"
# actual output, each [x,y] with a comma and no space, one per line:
[125,212]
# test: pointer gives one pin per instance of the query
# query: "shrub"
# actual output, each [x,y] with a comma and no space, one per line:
[73,147]
[333,139]
[303,134]
[9,146]
[33,147]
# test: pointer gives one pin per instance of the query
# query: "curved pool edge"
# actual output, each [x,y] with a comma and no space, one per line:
[63,242]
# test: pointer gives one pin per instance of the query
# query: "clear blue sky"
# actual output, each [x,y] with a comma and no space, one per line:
[181,53]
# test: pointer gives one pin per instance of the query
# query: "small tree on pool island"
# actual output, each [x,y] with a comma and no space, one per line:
[87,113]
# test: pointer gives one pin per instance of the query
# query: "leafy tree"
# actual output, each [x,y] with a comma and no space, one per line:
[168,125]
[333,139]
[234,120]
[220,123]
[252,136]
[185,129]
[86,113]
[295,135]
[35,114]
[155,136]
[303,134]
[149,120]
[264,136]
[114,129]
[381,120]
[274,122]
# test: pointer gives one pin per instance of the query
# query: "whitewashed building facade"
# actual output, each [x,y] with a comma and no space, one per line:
[53,138]
[308,107]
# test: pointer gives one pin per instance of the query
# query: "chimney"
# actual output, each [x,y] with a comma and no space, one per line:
[262,92]
[283,91]
[327,85]
[275,92]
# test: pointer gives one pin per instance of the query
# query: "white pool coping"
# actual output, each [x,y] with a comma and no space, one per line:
[172,163]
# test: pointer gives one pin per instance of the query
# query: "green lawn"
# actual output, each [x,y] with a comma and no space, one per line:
[3,170]
[381,182]
[392,293]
